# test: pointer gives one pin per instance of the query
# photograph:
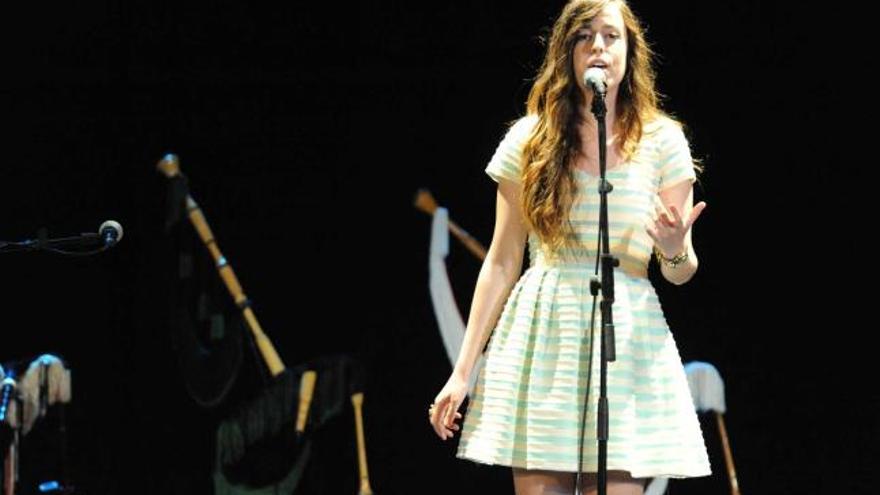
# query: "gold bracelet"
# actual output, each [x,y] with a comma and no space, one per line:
[671,262]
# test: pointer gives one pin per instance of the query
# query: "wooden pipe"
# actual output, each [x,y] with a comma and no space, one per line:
[169,166]
[306,390]
[728,457]
[357,401]
[425,202]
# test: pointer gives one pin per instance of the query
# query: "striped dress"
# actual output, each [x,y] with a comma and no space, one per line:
[526,408]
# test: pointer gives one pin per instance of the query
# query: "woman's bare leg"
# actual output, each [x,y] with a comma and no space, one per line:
[619,483]
[539,482]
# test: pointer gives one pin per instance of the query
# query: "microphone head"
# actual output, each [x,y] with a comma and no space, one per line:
[594,78]
[113,228]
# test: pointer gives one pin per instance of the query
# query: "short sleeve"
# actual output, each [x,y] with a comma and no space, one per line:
[676,164]
[505,163]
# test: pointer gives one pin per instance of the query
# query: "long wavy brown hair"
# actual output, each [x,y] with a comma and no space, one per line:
[549,184]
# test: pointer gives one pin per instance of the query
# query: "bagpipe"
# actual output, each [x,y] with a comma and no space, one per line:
[26,398]
[263,442]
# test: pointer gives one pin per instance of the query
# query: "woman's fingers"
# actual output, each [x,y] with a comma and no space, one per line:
[662,214]
[442,416]
[695,213]
[449,418]
[452,415]
[676,215]
[652,232]
[667,228]
[435,413]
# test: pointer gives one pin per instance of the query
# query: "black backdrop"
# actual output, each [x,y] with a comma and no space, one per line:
[305,131]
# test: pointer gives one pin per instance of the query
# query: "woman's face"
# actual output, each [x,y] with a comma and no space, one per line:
[602,44]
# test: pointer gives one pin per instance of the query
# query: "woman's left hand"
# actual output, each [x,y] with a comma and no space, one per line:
[669,230]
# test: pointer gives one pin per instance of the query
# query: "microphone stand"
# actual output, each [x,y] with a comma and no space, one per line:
[57,245]
[607,262]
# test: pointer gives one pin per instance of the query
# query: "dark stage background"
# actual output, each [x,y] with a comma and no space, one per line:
[305,130]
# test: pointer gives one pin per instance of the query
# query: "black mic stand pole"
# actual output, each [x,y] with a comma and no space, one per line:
[608,262]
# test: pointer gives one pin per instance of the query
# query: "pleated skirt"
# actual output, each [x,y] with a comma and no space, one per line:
[541,362]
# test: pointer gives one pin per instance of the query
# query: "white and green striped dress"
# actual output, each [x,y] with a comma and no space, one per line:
[526,409]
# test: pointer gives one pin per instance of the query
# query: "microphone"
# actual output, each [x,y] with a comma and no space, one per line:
[594,78]
[111,232]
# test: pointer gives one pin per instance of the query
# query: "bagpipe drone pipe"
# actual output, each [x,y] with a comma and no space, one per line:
[269,417]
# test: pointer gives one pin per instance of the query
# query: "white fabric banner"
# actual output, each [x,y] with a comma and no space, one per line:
[446,311]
